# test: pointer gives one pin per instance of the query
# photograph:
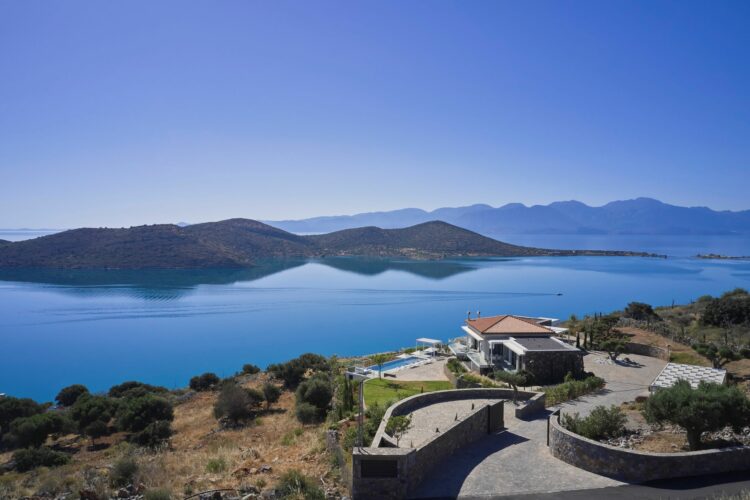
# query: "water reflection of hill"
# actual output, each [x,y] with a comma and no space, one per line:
[151,284]
[432,269]
[171,284]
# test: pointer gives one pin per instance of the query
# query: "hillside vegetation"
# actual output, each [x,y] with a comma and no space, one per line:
[237,243]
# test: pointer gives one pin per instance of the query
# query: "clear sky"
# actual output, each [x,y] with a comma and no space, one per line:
[132,112]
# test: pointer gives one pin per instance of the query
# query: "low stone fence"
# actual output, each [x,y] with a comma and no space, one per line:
[639,466]
[384,471]
[647,350]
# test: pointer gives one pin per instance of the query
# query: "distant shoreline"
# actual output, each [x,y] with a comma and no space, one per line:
[716,256]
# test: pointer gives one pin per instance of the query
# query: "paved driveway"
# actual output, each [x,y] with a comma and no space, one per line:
[517,461]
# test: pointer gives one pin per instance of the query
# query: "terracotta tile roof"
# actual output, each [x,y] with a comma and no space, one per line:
[507,324]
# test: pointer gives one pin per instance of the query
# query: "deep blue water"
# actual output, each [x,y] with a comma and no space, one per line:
[103,327]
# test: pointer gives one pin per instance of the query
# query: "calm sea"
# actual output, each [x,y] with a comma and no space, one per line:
[100,328]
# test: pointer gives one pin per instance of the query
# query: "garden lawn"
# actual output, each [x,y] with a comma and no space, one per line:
[382,391]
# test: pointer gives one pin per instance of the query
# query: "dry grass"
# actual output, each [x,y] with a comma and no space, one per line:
[183,469]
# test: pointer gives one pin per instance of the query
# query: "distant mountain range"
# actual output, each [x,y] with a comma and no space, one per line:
[237,243]
[638,216]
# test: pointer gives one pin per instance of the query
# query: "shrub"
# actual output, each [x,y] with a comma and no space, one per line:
[123,472]
[69,395]
[33,431]
[316,391]
[204,382]
[456,367]
[159,494]
[95,430]
[271,393]
[249,369]
[640,311]
[306,413]
[602,423]
[236,403]
[28,459]
[293,484]
[474,380]
[153,435]
[710,407]
[293,372]
[89,409]
[134,389]
[572,389]
[216,465]
[12,408]
[745,352]
[136,414]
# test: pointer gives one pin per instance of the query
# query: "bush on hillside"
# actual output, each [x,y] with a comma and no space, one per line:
[306,413]
[293,372]
[640,311]
[95,430]
[155,434]
[601,423]
[69,395]
[33,431]
[271,393]
[293,484]
[123,472]
[205,382]
[133,388]
[316,392]
[236,403]
[732,308]
[32,458]
[89,409]
[250,369]
[12,408]
[136,414]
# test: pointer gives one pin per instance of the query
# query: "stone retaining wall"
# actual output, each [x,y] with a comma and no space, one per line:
[637,466]
[531,402]
[386,472]
[647,350]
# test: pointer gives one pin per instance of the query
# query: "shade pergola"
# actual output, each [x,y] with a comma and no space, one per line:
[430,342]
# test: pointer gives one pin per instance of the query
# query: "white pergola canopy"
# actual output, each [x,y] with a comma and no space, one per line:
[425,340]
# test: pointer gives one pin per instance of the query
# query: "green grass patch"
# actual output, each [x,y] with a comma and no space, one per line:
[688,358]
[381,391]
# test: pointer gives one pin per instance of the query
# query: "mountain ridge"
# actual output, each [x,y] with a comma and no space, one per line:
[237,243]
[635,216]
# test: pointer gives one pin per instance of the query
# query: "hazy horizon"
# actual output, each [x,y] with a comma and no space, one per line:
[120,114]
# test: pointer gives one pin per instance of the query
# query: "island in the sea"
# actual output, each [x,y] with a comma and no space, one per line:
[716,256]
[235,243]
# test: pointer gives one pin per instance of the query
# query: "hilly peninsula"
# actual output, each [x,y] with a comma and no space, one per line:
[237,243]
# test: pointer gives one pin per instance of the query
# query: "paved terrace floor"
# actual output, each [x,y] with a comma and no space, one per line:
[517,461]
[431,371]
[425,421]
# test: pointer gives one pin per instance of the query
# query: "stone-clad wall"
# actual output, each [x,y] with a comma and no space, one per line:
[550,367]
[637,466]
[412,465]
[647,350]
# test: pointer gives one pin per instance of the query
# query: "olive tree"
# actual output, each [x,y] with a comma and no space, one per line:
[709,407]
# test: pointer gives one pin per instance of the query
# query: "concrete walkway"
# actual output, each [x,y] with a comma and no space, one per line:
[425,420]
[517,461]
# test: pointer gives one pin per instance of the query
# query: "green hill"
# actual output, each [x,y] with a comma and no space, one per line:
[237,243]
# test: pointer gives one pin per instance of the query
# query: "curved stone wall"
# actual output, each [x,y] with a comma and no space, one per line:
[637,466]
[534,401]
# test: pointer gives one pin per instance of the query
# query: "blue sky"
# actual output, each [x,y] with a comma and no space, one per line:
[120,113]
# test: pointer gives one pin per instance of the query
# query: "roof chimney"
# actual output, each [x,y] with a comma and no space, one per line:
[479,313]
[468,315]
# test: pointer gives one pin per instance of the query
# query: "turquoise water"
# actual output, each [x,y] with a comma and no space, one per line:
[103,327]
[396,363]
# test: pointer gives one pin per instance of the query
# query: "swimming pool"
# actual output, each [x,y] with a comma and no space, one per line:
[396,363]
